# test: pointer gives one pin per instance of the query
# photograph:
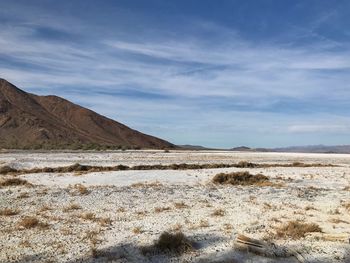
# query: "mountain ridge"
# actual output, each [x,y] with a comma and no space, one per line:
[32,121]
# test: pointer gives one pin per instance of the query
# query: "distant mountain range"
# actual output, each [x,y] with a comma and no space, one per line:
[28,121]
[300,149]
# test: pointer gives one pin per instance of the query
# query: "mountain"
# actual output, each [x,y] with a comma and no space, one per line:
[30,121]
[315,149]
[194,147]
[299,149]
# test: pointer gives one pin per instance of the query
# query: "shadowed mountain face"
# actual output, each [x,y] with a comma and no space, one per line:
[31,121]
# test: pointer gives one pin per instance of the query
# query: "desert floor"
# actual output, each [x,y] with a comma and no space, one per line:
[113,216]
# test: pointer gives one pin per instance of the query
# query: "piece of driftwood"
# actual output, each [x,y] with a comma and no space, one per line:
[266,249]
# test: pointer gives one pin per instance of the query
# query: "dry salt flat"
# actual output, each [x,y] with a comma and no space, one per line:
[112,216]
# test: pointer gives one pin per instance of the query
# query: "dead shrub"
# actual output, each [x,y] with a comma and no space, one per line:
[240,178]
[296,229]
[167,242]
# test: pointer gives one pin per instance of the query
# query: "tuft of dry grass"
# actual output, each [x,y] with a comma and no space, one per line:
[13,182]
[162,209]
[137,230]
[167,242]
[105,221]
[296,229]
[71,207]
[180,205]
[8,212]
[203,223]
[218,212]
[88,216]
[31,222]
[240,178]
[81,189]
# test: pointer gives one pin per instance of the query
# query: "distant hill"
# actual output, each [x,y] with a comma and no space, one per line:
[193,147]
[29,121]
[299,149]
[315,149]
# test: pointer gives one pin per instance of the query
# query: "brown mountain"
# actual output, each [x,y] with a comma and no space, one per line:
[31,121]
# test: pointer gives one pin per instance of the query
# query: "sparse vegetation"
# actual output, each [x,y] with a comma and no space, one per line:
[169,243]
[218,212]
[240,178]
[13,182]
[7,170]
[8,212]
[81,169]
[137,230]
[296,229]
[180,205]
[71,207]
[31,222]
[162,209]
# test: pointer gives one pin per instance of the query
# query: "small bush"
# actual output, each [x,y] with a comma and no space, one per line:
[169,243]
[240,178]
[296,229]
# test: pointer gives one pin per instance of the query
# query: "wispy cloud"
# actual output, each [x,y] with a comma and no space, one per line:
[182,84]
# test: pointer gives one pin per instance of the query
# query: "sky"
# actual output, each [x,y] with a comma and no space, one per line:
[263,73]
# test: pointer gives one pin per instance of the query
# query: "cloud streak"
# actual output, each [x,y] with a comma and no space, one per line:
[183,84]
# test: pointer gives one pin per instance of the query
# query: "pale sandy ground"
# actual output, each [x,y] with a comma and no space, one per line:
[312,194]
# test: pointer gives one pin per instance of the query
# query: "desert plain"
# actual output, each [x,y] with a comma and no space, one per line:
[303,209]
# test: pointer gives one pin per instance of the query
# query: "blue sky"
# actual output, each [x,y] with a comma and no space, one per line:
[262,73]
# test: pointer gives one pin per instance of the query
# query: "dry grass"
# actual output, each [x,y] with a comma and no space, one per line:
[167,242]
[8,212]
[240,178]
[218,212]
[203,223]
[13,182]
[45,208]
[137,230]
[23,195]
[346,206]
[7,170]
[162,209]
[105,221]
[82,169]
[296,229]
[88,216]
[180,205]
[338,221]
[71,207]
[31,222]
[81,189]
